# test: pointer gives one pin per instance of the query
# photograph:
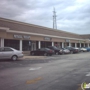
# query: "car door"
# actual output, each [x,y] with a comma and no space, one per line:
[37,52]
[42,51]
[1,53]
[7,53]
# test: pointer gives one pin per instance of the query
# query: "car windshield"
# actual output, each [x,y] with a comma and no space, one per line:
[55,47]
[47,48]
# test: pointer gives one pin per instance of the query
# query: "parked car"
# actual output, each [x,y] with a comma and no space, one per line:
[88,49]
[10,53]
[42,51]
[64,51]
[73,49]
[83,49]
[56,50]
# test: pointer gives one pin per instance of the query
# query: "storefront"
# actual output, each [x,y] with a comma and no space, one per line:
[27,37]
[78,45]
[26,42]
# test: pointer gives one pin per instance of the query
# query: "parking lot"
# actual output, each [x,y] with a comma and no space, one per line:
[57,72]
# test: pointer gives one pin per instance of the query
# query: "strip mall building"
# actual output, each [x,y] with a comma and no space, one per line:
[21,35]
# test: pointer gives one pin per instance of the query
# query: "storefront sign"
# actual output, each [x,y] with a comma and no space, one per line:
[26,37]
[18,36]
[82,41]
[21,36]
[47,38]
[67,40]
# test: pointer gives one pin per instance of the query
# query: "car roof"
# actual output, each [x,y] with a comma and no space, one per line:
[8,47]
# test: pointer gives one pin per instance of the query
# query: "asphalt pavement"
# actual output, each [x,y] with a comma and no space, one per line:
[58,72]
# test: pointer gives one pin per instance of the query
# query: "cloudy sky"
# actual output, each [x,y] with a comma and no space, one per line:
[72,15]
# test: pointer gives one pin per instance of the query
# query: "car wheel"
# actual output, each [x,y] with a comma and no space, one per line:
[32,54]
[45,54]
[50,54]
[81,50]
[14,58]
[57,53]
[63,53]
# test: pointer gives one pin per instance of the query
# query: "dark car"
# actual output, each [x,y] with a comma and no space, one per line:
[42,51]
[73,49]
[56,50]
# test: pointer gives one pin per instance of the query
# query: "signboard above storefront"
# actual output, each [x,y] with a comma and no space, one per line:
[67,40]
[21,36]
[47,38]
[26,37]
[82,41]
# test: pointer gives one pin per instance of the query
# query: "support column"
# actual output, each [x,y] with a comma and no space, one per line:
[20,45]
[88,44]
[39,44]
[2,42]
[52,43]
[62,45]
[84,44]
[80,45]
[75,44]
[69,44]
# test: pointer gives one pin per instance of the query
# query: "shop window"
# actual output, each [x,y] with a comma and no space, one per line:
[11,43]
[26,46]
[8,49]
[45,44]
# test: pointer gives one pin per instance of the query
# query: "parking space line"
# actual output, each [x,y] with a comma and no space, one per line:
[88,74]
[37,68]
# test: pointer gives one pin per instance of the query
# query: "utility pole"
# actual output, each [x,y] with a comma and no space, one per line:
[54,19]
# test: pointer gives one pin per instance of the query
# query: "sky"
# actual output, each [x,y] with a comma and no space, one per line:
[72,15]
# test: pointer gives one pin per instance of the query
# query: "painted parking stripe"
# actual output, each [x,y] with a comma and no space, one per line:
[37,68]
[88,74]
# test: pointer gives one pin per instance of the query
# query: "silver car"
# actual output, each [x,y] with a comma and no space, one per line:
[10,53]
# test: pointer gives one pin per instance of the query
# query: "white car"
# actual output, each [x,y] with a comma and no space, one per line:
[83,49]
[10,53]
[66,51]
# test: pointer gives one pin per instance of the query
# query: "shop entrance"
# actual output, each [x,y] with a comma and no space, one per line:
[86,45]
[33,47]
[66,44]
[82,45]
[78,45]
[73,44]
[28,45]
[58,44]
